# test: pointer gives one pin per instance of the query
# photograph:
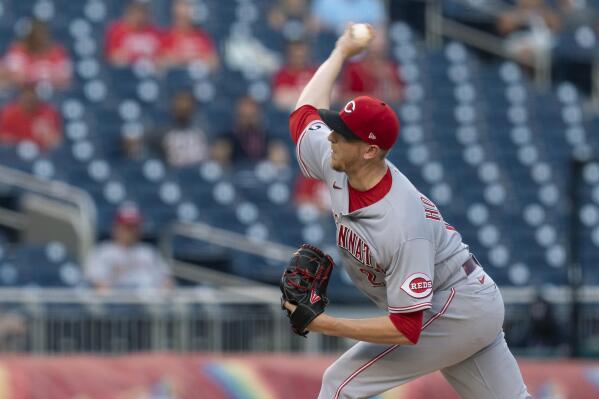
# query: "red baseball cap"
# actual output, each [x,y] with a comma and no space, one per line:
[364,118]
[128,215]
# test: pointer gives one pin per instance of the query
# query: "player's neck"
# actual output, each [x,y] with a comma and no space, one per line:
[367,175]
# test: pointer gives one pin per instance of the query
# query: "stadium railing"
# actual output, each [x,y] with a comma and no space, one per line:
[50,200]
[208,319]
[439,26]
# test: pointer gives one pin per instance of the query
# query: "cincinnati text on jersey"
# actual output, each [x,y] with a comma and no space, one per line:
[356,246]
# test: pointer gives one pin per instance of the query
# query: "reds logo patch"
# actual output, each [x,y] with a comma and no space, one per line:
[418,285]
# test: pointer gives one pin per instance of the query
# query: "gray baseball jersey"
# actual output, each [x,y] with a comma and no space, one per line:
[391,247]
[401,254]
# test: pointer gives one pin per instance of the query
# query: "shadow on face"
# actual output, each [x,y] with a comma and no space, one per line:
[183,106]
[182,12]
[28,97]
[248,112]
[38,37]
[137,14]
[298,54]
[125,235]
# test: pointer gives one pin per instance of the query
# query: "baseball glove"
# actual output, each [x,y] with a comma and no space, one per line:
[304,283]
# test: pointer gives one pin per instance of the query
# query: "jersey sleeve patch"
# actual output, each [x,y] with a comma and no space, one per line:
[418,285]
[316,125]
[313,150]
[300,119]
[303,165]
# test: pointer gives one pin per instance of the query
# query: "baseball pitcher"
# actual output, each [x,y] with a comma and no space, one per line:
[444,312]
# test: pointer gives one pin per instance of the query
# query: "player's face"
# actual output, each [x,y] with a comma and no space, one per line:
[125,235]
[344,153]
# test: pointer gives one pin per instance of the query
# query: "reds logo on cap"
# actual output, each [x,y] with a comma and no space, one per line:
[418,285]
[364,118]
[350,106]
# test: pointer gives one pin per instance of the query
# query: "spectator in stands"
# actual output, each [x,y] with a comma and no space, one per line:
[574,14]
[375,75]
[334,15]
[37,58]
[529,29]
[185,43]
[182,143]
[312,192]
[277,163]
[12,327]
[544,329]
[278,156]
[133,37]
[291,18]
[248,140]
[28,118]
[289,81]
[124,262]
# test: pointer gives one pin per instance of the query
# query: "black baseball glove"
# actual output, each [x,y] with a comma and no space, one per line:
[304,283]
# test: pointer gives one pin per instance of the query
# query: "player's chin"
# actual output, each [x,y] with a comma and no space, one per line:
[337,166]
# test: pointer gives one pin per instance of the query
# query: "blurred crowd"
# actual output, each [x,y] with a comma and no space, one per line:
[36,61]
[36,64]
[564,32]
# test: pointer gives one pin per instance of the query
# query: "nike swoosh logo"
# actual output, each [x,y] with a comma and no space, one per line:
[481,279]
[335,186]
[314,298]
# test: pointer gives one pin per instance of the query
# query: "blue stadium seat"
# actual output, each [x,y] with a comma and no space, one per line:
[47,265]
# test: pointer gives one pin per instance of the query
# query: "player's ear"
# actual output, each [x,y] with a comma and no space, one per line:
[372,152]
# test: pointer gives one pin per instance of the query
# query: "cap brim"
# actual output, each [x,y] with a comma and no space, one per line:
[334,121]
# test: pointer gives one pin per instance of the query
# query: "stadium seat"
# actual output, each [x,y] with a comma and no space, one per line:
[48,265]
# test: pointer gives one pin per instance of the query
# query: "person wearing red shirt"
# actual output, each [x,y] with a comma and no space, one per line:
[374,75]
[289,81]
[36,58]
[185,43]
[312,192]
[30,119]
[133,37]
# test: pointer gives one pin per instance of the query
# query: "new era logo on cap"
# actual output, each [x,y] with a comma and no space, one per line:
[365,118]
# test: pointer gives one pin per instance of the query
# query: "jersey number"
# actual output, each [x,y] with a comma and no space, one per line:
[372,278]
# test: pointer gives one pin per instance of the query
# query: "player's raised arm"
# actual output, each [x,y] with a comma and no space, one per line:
[313,151]
[318,90]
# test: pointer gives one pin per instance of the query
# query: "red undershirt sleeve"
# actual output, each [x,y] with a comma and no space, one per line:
[409,324]
[300,118]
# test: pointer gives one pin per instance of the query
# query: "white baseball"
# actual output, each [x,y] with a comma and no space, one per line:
[361,33]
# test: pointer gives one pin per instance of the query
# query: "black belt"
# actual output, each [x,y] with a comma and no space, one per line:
[470,265]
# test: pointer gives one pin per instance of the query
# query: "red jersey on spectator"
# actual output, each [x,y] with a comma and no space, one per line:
[125,44]
[293,77]
[52,65]
[40,125]
[187,45]
[297,70]
[379,79]
[311,191]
